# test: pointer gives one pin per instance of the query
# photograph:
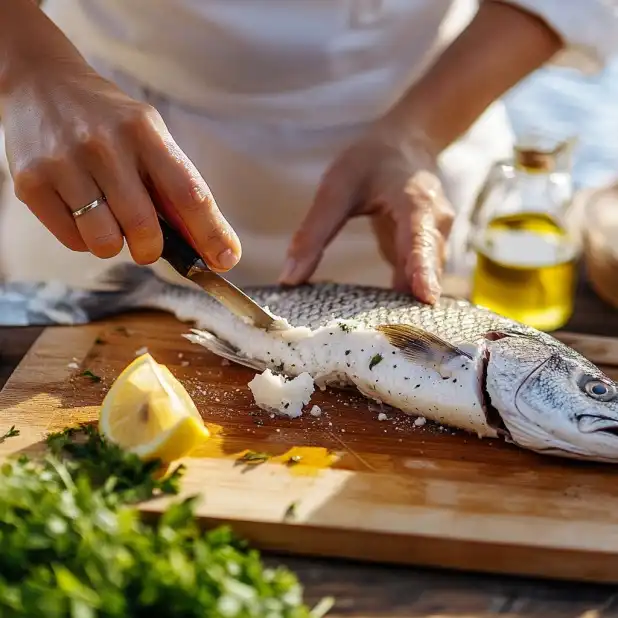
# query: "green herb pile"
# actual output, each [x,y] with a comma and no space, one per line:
[72,544]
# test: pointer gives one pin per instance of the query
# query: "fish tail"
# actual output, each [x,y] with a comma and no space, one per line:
[24,303]
[132,288]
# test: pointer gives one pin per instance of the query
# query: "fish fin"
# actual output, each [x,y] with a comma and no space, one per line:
[223,349]
[418,345]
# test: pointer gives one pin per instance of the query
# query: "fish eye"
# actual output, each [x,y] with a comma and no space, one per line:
[600,390]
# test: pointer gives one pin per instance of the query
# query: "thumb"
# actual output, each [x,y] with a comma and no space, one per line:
[334,202]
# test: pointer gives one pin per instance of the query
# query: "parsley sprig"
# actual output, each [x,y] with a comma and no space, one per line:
[75,546]
[10,433]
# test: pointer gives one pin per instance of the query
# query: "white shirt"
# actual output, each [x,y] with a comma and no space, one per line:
[262,95]
[266,59]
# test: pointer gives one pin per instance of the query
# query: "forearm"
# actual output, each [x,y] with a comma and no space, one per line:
[501,45]
[29,43]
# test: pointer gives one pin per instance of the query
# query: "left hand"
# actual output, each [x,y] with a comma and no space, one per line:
[394,180]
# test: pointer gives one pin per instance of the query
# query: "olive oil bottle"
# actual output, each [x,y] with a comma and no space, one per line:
[526,258]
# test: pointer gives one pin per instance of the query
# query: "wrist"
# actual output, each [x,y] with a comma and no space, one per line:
[413,121]
[24,64]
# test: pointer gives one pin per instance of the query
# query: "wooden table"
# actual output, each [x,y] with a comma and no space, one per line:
[371,591]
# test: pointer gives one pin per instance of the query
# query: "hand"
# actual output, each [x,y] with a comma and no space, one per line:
[72,136]
[394,180]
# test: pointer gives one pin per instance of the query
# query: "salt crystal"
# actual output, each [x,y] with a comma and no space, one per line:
[420,421]
[382,417]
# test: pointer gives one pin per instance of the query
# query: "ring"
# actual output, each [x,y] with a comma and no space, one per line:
[88,207]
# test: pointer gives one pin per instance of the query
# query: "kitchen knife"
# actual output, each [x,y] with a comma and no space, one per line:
[180,252]
[186,261]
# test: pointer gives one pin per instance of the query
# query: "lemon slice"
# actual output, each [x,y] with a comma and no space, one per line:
[147,411]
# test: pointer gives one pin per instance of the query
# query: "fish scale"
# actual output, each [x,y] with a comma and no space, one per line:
[313,306]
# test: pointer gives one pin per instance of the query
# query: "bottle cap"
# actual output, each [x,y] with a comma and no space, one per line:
[542,153]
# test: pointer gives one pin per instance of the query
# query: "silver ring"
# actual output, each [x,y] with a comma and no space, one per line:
[88,207]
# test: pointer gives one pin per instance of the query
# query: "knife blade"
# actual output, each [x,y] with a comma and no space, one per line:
[187,262]
[180,252]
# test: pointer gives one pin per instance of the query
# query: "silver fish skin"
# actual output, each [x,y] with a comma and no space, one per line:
[453,363]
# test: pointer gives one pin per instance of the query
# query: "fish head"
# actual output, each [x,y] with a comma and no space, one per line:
[548,398]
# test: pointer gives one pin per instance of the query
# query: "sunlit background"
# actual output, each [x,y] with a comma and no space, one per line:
[565,103]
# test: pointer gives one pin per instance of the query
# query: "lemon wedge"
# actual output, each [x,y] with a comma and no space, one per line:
[147,411]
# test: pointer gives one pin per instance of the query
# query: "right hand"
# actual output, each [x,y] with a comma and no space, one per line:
[72,136]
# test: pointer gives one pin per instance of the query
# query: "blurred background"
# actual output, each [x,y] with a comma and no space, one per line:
[565,103]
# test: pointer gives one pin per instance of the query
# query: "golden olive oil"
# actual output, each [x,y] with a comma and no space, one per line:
[526,269]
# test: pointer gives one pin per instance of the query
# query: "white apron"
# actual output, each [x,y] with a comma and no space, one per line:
[262,95]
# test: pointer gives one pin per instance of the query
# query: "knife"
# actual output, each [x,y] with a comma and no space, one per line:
[187,262]
[180,252]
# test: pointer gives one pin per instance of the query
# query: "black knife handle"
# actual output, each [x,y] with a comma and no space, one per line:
[177,251]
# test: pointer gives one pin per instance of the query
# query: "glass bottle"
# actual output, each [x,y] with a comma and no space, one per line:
[525,253]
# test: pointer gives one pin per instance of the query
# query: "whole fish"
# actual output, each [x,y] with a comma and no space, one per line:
[453,363]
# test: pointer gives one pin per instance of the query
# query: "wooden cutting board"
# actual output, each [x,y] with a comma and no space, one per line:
[368,489]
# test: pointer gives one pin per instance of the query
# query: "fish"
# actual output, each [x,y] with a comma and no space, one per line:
[453,363]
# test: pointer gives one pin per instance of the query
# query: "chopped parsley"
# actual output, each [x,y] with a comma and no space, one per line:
[106,464]
[75,546]
[11,433]
[89,374]
[290,512]
[375,359]
[254,458]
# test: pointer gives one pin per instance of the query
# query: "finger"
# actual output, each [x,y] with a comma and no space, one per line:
[97,227]
[132,207]
[334,201]
[52,212]
[419,242]
[179,183]
[417,239]
[422,211]
[385,231]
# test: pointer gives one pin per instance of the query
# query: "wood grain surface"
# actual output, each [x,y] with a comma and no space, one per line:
[367,489]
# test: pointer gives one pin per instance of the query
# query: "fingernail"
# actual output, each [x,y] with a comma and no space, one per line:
[227,259]
[290,268]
